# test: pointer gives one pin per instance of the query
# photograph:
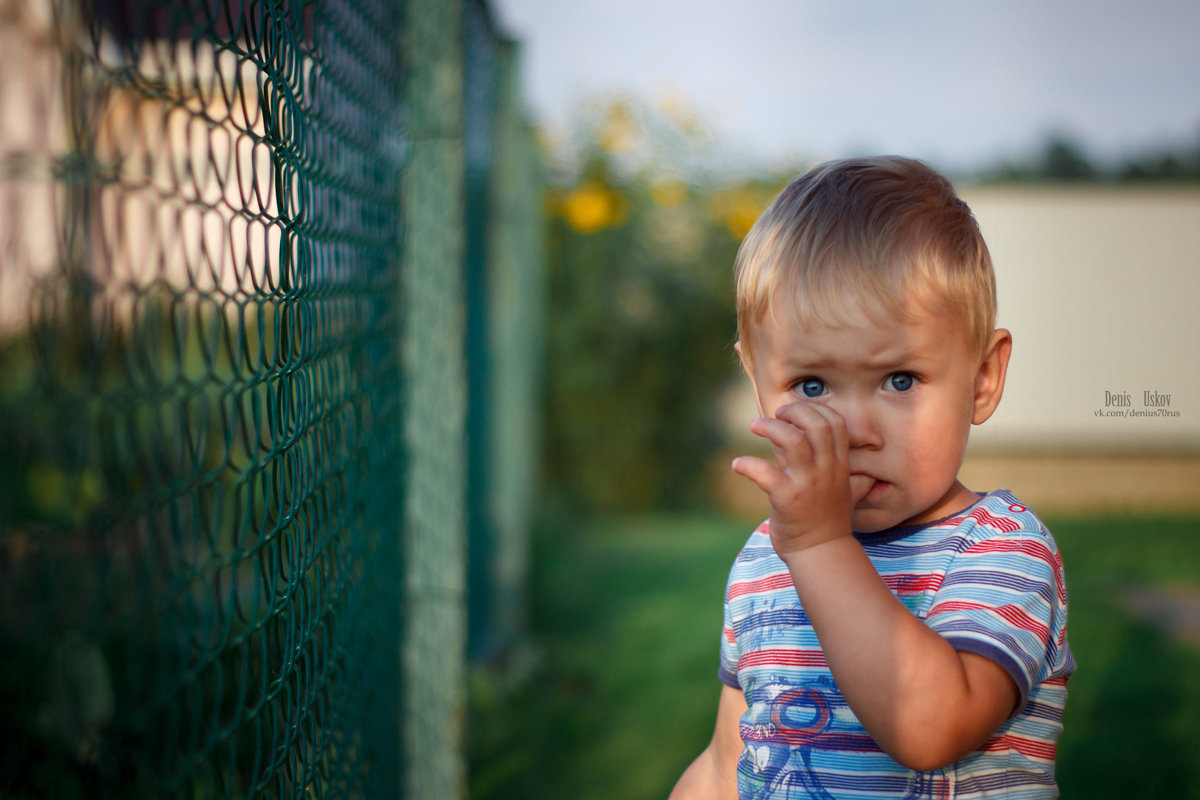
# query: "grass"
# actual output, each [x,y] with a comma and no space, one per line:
[626,618]
[1132,727]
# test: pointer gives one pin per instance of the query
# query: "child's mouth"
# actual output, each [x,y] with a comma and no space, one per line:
[878,487]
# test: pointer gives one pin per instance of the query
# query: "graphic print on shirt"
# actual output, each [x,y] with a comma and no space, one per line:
[780,753]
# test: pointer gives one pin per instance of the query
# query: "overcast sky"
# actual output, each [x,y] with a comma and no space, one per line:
[962,84]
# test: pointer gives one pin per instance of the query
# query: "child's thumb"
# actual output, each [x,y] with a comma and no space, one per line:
[860,486]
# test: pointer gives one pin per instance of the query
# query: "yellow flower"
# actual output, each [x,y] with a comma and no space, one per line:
[592,206]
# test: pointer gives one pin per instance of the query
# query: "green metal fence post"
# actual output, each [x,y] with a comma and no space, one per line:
[433,652]
[516,318]
[479,90]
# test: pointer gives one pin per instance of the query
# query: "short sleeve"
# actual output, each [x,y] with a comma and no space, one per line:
[727,671]
[1004,598]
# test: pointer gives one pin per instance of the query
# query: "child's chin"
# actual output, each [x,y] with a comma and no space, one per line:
[873,520]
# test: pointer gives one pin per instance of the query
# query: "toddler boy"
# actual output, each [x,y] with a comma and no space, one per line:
[888,632]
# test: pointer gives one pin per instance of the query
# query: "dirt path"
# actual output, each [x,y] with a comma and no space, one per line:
[1049,484]
[1082,483]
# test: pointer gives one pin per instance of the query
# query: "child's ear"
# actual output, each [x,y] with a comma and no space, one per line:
[737,347]
[989,380]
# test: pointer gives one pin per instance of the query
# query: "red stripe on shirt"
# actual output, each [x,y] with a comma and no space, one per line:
[789,658]
[909,584]
[771,583]
[1029,547]
[1005,524]
[1011,614]
[1031,748]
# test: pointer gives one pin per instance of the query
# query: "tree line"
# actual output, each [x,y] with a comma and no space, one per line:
[1064,158]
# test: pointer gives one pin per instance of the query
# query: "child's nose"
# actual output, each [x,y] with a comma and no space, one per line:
[862,427]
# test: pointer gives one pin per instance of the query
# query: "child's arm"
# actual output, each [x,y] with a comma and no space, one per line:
[713,775]
[923,702]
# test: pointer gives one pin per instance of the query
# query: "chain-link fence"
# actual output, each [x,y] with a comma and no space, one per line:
[226,445]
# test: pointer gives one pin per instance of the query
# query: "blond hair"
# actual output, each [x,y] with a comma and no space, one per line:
[867,232]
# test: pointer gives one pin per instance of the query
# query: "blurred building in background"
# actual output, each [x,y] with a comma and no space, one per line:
[1097,285]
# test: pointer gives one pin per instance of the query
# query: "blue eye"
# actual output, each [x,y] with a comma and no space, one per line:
[901,381]
[811,387]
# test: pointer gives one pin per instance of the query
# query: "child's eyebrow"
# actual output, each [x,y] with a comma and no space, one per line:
[795,362]
[895,359]
[899,358]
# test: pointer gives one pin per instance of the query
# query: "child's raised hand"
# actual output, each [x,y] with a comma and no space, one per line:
[809,486]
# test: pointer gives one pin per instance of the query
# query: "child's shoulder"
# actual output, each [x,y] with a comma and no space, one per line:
[758,544]
[997,513]
[999,529]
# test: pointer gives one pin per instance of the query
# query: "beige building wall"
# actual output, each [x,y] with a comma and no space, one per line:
[1099,287]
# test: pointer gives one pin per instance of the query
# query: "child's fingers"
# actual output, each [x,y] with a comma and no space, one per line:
[823,429]
[840,438]
[763,473]
[789,442]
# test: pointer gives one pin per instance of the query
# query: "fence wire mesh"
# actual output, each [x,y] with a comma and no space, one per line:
[200,398]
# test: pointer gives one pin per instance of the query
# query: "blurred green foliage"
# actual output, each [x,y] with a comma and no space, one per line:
[642,237]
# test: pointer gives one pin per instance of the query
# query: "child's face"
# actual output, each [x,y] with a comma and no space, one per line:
[907,390]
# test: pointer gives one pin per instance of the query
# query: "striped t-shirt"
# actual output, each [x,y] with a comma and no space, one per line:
[989,580]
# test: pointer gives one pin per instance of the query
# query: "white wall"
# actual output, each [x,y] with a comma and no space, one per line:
[1100,288]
